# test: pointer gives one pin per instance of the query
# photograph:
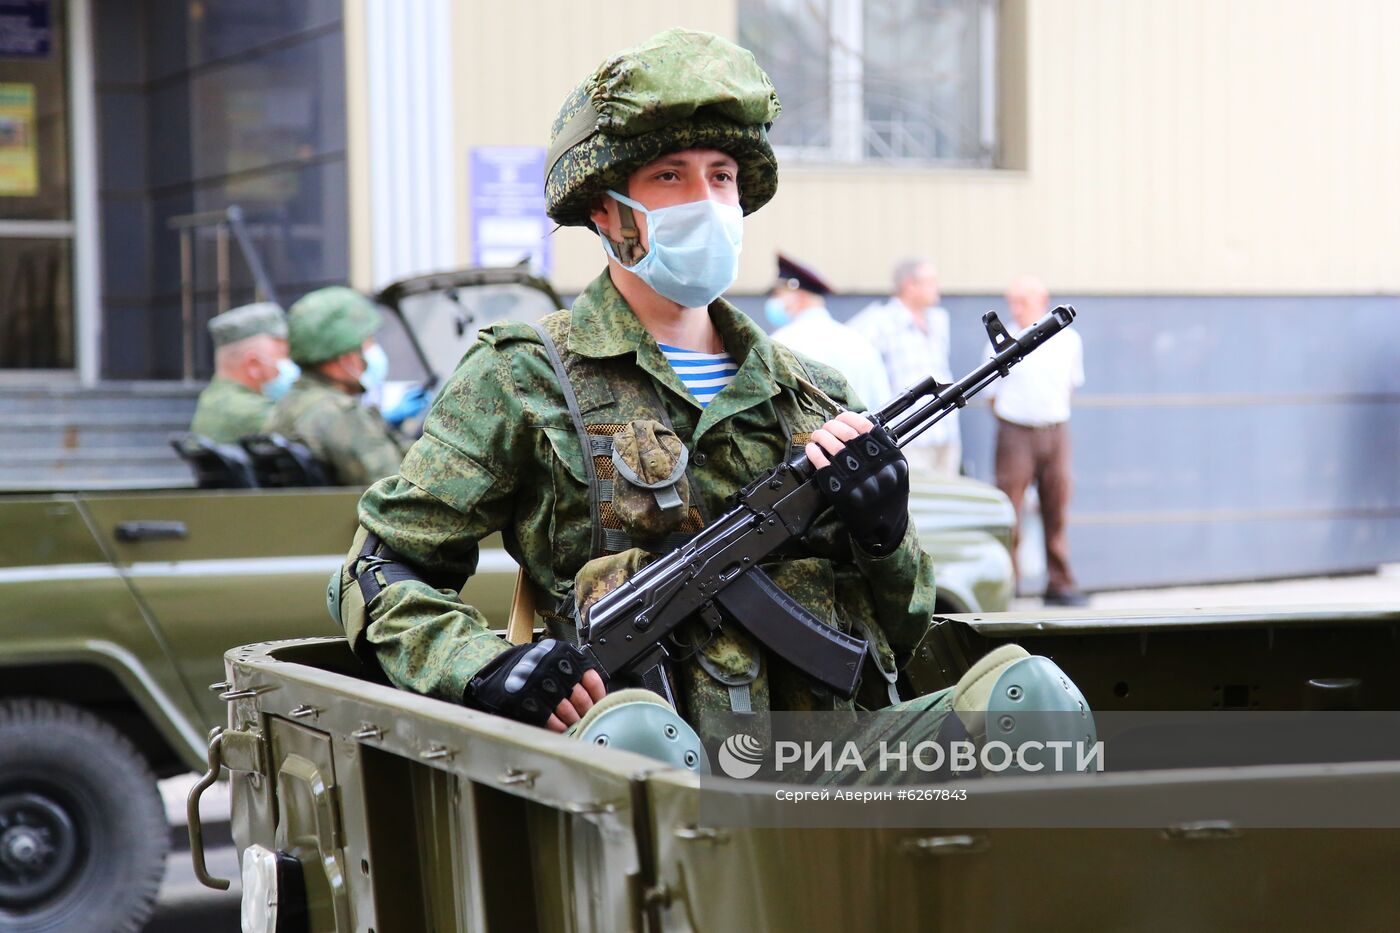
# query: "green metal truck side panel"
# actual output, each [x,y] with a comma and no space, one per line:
[583,838]
[837,880]
[309,824]
[521,800]
[44,531]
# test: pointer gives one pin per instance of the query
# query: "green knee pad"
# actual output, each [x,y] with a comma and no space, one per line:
[1014,697]
[643,723]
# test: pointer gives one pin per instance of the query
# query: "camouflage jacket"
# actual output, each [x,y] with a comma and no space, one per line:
[499,453]
[352,440]
[228,410]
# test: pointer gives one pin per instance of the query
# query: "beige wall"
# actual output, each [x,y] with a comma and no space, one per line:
[517,64]
[1173,146]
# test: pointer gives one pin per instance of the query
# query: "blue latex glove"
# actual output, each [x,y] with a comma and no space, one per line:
[413,404]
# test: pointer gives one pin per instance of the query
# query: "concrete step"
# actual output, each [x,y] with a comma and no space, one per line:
[57,434]
[110,467]
[60,433]
[67,399]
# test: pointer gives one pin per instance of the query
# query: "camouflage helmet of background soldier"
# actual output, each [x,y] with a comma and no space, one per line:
[678,90]
[329,322]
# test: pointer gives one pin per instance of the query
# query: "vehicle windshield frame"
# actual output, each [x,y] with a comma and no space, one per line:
[393,295]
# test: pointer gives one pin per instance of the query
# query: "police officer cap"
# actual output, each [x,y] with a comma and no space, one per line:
[265,317]
[793,274]
[328,322]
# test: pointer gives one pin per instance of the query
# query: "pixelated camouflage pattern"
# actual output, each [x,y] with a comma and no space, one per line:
[653,451]
[681,89]
[351,439]
[329,322]
[601,575]
[263,317]
[500,453]
[881,732]
[228,410]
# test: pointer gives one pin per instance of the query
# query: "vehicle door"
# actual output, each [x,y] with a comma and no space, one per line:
[219,568]
[61,600]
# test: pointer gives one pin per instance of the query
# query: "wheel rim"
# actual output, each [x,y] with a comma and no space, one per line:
[38,847]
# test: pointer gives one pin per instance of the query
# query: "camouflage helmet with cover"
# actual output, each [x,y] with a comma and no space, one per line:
[680,89]
[329,322]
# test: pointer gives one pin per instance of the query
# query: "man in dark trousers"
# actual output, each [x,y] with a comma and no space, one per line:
[1032,406]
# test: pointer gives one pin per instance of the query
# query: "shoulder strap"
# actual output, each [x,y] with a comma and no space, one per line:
[584,439]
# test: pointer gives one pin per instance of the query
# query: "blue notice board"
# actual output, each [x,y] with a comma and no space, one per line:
[24,29]
[507,207]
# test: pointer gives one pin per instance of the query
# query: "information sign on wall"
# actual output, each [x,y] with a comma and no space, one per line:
[19,161]
[508,222]
[24,29]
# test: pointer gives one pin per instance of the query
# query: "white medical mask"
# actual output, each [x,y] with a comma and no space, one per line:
[692,249]
[287,373]
[376,368]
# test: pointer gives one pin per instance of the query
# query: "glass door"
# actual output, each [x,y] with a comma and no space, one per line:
[36,219]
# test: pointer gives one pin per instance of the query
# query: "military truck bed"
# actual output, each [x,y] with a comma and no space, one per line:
[412,814]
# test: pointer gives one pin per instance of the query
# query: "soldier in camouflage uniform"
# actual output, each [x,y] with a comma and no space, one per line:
[331,332]
[250,367]
[586,448]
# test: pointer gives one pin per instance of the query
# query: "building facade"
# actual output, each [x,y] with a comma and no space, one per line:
[1213,183]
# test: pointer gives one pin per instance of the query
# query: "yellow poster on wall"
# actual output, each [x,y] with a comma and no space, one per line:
[19,145]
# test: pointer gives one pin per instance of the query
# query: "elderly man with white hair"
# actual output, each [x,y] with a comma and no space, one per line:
[1032,406]
[251,371]
[911,333]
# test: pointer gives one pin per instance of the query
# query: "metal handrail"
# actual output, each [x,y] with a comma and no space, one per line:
[226,221]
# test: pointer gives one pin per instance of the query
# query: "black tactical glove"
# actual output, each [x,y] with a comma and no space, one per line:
[527,682]
[867,483]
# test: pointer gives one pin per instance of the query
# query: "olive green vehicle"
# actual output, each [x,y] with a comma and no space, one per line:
[361,807]
[116,608]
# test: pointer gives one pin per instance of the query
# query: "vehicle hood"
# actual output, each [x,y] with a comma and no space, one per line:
[959,504]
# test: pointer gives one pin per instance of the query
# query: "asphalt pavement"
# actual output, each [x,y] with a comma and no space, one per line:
[187,905]
[1381,588]
[184,903]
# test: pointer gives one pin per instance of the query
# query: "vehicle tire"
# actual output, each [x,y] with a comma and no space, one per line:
[83,833]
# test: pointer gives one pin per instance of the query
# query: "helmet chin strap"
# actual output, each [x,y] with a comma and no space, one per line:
[353,387]
[629,250]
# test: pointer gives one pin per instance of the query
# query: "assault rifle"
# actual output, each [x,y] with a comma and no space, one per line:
[716,576]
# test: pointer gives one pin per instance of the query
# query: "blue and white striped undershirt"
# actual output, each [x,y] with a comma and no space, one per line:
[704,374]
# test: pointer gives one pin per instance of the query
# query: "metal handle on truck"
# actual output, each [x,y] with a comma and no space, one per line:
[201,873]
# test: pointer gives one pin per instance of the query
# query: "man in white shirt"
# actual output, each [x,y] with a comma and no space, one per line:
[910,331]
[1032,406]
[797,308]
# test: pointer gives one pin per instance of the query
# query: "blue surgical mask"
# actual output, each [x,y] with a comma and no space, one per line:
[287,373]
[376,368]
[692,249]
[775,310]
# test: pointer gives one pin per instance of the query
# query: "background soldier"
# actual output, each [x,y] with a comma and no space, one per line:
[590,451]
[331,332]
[251,370]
